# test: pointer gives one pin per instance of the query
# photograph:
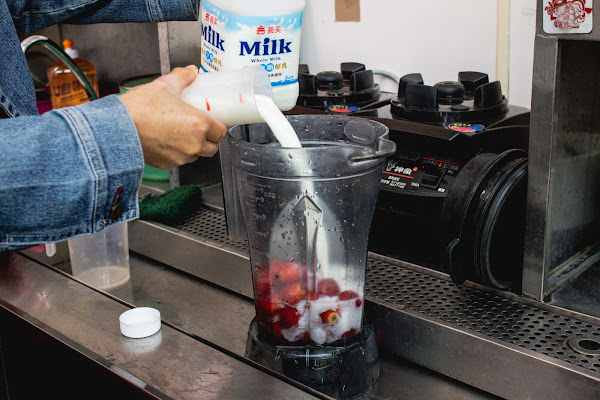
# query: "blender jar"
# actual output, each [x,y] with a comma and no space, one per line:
[307,213]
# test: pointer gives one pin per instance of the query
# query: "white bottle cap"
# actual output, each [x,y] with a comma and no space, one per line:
[140,322]
[73,53]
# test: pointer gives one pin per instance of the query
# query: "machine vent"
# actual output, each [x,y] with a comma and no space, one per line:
[487,313]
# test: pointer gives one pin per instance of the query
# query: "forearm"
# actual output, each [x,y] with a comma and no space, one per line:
[60,172]
[31,15]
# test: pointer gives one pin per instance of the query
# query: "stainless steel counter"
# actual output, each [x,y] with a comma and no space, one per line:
[199,351]
[169,364]
[495,341]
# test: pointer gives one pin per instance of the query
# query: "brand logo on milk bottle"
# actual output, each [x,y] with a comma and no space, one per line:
[232,41]
[212,36]
[275,47]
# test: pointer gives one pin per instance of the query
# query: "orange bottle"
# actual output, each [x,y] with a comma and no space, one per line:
[65,90]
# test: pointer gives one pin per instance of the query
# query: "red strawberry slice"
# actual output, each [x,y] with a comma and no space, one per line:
[330,316]
[269,304]
[312,295]
[276,329]
[348,295]
[328,287]
[262,284]
[289,317]
[275,270]
[349,333]
[304,337]
[292,293]
[265,319]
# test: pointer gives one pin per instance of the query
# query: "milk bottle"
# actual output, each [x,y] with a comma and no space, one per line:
[242,33]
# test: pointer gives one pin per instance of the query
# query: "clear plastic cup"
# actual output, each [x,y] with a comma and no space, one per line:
[228,96]
[101,259]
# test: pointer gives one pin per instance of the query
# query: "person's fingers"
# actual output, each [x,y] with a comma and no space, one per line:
[209,149]
[217,131]
[179,78]
[193,68]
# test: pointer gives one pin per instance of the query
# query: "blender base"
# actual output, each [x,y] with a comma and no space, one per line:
[338,372]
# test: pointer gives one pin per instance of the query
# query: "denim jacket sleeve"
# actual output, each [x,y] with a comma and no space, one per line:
[31,15]
[61,172]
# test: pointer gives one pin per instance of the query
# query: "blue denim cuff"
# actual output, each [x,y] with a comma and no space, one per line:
[114,153]
[174,10]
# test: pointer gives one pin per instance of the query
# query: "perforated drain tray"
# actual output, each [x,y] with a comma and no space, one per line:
[509,346]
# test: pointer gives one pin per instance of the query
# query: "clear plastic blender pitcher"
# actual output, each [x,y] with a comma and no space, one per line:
[307,213]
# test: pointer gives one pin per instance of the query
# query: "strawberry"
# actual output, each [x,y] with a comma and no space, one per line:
[305,337]
[351,332]
[348,295]
[270,304]
[262,284]
[289,317]
[312,295]
[260,269]
[265,319]
[330,317]
[290,272]
[275,270]
[292,293]
[276,330]
[328,287]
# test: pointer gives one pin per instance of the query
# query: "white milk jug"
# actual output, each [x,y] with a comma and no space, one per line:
[243,33]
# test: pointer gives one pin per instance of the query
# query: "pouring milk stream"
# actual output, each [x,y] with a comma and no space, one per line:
[241,97]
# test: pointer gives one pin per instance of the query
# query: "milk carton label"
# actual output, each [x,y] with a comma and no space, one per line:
[233,41]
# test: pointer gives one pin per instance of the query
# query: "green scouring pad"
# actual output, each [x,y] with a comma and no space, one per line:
[172,207]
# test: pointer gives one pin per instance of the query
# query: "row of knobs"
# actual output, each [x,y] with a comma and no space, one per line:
[358,77]
[470,85]
[411,90]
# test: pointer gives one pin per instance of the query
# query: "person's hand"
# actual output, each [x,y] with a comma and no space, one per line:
[171,131]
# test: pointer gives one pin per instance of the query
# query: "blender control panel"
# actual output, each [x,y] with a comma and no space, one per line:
[420,173]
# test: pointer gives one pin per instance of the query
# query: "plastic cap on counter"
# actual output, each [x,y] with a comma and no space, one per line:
[68,45]
[140,322]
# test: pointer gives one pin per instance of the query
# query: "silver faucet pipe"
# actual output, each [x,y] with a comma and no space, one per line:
[55,49]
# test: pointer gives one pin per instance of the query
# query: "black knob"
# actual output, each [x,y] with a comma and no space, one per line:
[488,95]
[330,79]
[471,80]
[308,84]
[362,80]
[421,97]
[405,80]
[303,69]
[450,92]
[348,68]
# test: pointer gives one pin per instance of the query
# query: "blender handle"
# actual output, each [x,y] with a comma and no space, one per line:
[386,149]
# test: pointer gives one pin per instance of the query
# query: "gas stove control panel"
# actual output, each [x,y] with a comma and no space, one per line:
[411,172]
